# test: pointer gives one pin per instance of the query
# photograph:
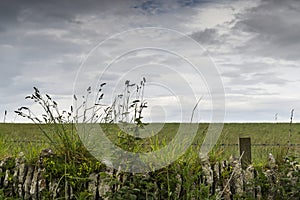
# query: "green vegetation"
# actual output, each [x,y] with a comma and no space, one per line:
[23,137]
[182,179]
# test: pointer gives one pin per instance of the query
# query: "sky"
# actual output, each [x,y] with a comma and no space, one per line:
[184,49]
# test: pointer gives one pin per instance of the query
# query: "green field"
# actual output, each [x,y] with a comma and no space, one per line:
[29,138]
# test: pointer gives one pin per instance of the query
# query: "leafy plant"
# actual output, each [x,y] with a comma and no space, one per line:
[289,179]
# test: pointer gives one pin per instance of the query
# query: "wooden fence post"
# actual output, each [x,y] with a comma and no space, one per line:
[245,147]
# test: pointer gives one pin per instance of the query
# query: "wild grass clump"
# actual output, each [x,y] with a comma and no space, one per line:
[57,126]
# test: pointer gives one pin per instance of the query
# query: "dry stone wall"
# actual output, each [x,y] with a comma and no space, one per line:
[226,180]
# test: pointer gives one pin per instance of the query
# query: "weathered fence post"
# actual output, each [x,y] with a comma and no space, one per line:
[245,149]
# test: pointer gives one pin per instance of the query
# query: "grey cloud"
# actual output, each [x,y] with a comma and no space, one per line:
[275,28]
[2,29]
[188,3]
[67,9]
[249,67]
[41,43]
[154,7]
[7,74]
[248,91]
[267,78]
[150,7]
[252,73]
[259,108]
[39,47]
[208,36]
[58,12]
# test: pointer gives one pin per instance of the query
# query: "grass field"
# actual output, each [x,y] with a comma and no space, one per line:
[29,138]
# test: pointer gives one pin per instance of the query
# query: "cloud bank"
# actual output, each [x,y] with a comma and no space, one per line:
[254,44]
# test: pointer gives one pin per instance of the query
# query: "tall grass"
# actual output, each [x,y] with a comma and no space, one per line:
[59,127]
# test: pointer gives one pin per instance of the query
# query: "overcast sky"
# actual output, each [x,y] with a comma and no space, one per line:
[254,45]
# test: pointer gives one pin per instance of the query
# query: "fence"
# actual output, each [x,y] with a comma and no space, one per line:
[221,145]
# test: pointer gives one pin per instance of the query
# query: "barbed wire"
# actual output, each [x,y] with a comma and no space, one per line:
[222,144]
